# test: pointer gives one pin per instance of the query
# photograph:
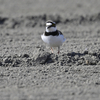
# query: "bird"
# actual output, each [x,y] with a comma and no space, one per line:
[52,36]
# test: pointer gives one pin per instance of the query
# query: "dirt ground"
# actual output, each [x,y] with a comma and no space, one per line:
[28,69]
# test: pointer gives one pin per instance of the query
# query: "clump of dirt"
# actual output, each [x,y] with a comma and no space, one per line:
[46,58]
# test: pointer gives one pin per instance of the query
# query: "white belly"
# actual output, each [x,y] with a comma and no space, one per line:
[53,41]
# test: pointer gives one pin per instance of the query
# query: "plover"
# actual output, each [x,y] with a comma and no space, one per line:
[52,36]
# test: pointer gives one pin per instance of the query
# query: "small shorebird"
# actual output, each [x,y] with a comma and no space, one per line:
[52,36]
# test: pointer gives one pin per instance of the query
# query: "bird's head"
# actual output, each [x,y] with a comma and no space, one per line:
[50,26]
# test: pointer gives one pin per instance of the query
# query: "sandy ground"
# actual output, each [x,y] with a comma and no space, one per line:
[28,69]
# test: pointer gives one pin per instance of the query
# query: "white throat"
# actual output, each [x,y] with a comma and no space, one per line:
[51,29]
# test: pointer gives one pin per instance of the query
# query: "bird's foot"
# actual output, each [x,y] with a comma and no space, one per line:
[52,50]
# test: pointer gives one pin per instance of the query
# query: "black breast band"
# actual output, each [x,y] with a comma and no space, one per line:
[56,33]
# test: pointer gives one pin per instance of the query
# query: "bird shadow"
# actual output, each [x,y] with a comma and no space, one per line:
[72,54]
[59,57]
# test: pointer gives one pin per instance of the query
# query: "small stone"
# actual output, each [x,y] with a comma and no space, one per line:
[41,58]
[8,60]
[25,56]
[0,63]
[85,52]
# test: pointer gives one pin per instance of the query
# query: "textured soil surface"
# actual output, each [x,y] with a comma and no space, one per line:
[28,69]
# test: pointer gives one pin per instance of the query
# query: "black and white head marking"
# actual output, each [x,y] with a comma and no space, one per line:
[51,29]
[50,24]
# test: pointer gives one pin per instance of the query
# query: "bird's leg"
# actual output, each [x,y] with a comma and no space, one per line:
[58,50]
[51,50]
